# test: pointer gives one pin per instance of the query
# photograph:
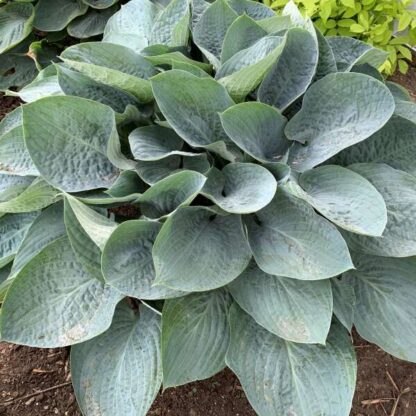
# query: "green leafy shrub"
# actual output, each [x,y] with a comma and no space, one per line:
[270,173]
[373,21]
[32,32]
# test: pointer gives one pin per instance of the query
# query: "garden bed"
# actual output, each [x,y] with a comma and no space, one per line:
[37,382]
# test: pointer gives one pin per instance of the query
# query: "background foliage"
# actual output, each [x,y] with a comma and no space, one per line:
[373,21]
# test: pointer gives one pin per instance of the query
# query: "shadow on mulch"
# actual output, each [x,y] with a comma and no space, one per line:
[35,382]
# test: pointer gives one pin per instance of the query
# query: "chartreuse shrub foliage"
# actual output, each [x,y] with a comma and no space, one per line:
[373,21]
[272,174]
[33,31]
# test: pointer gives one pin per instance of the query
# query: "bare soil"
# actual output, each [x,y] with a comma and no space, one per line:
[36,382]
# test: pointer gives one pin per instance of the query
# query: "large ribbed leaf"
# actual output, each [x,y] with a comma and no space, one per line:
[338,111]
[90,24]
[172,25]
[244,71]
[13,229]
[113,65]
[132,25]
[14,157]
[191,106]
[12,185]
[69,147]
[54,15]
[295,310]
[39,194]
[167,195]
[385,312]
[127,262]
[15,24]
[258,129]
[195,337]
[399,193]
[286,378]
[100,4]
[394,144]
[242,33]
[349,52]
[326,62]
[47,227]
[210,31]
[345,198]
[16,70]
[240,188]
[54,302]
[406,109]
[198,249]
[289,239]
[97,226]
[120,371]
[155,142]
[293,71]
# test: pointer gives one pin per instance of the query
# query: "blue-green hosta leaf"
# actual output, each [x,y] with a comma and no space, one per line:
[385,312]
[113,65]
[55,302]
[100,4]
[195,337]
[349,52]
[338,111]
[286,378]
[127,184]
[47,228]
[369,70]
[54,15]
[16,70]
[15,24]
[399,93]
[152,172]
[258,129]
[344,301]
[155,142]
[77,84]
[91,23]
[132,25]
[97,226]
[406,109]
[253,9]
[5,282]
[127,262]
[210,30]
[240,188]
[295,310]
[172,25]
[244,71]
[175,58]
[86,251]
[12,185]
[276,24]
[394,144]
[242,33]
[326,62]
[291,74]
[69,147]
[13,228]
[14,157]
[39,194]
[44,85]
[345,198]
[191,106]
[198,249]
[289,239]
[398,190]
[170,193]
[119,372]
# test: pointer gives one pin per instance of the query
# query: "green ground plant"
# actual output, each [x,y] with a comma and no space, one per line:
[373,21]
[272,176]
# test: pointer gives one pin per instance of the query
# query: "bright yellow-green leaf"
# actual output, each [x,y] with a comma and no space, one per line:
[348,3]
[404,21]
[403,66]
[356,28]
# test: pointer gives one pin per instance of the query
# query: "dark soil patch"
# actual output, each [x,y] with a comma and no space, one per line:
[35,382]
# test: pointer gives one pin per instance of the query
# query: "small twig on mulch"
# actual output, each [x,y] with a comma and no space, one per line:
[29,396]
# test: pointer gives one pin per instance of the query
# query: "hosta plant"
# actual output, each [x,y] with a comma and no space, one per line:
[213,185]
[32,32]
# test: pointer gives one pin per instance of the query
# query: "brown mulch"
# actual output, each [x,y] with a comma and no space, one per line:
[35,382]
